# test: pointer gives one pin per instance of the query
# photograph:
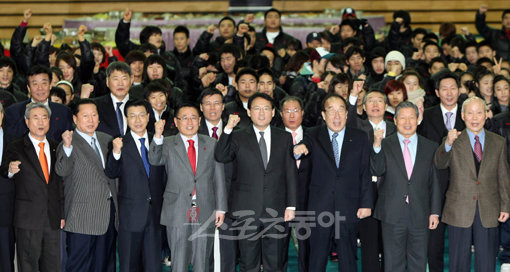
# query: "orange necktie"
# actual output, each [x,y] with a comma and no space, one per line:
[44,162]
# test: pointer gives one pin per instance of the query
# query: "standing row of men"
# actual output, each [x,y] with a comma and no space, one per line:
[92,184]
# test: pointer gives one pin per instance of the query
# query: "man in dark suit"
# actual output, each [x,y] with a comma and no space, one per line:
[339,186]
[111,106]
[141,187]
[374,104]
[38,209]
[436,123]
[7,195]
[478,197]
[408,204]
[39,79]
[263,190]
[90,195]
[195,199]
[246,84]
[291,112]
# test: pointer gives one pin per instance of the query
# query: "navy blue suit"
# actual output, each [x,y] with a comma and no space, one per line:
[343,190]
[61,120]
[6,216]
[140,199]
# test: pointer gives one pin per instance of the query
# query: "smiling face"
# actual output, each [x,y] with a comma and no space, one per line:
[39,123]
[406,122]
[155,71]
[67,70]
[137,119]
[187,121]
[292,115]
[212,107]
[485,85]
[158,101]
[448,93]
[39,87]
[474,115]
[412,83]
[87,118]
[375,105]
[119,83]
[502,91]
[335,114]
[6,75]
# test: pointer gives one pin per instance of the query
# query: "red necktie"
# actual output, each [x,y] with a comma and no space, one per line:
[214,134]
[478,149]
[44,162]
[192,155]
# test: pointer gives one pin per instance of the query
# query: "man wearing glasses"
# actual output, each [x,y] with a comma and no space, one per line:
[194,201]
[263,189]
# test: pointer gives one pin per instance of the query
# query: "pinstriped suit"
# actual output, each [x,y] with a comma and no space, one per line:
[87,190]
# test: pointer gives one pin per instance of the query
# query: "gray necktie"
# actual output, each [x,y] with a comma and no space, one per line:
[336,150]
[448,121]
[263,148]
[94,146]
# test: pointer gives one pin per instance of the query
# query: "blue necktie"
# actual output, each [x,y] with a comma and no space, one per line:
[120,119]
[336,152]
[143,150]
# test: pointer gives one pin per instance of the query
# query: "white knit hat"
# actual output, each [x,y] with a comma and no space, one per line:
[395,55]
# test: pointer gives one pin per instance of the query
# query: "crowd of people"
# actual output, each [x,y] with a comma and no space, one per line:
[345,141]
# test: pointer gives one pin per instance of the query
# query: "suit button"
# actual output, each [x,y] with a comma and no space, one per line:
[474,198]
[409,183]
[190,194]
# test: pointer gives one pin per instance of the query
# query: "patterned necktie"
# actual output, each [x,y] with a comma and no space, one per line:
[44,162]
[294,134]
[336,151]
[448,122]
[407,158]
[94,146]
[120,119]
[478,149]
[145,160]
[192,155]
[263,149]
[214,135]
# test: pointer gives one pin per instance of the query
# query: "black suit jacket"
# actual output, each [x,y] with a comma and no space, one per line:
[254,188]
[137,192]
[7,193]
[423,187]
[344,189]
[168,115]
[304,171]
[236,107]
[35,199]
[61,120]
[107,116]
[433,126]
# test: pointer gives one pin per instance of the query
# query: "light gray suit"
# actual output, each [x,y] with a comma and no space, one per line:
[211,196]
[86,186]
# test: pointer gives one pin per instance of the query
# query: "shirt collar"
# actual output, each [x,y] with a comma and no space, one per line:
[185,139]
[266,131]
[472,135]
[137,138]
[115,100]
[35,141]
[87,137]
[44,103]
[340,133]
[210,125]
[299,130]
[413,138]
[444,110]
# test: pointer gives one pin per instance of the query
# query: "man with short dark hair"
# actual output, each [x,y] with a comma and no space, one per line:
[38,208]
[340,187]
[263,190]
[272,34]
[246,84]
[141,187]
[90,196]
[227,35]
[39,79]
[498,38]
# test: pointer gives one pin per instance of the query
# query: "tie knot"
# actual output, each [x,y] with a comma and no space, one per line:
[261,133]
[407,141]
[119,104]
[335,135]
[191,142]
[477,138]
[142,140]
[93,141]
[41,145]
[294,134]
[449,114]
[214,129]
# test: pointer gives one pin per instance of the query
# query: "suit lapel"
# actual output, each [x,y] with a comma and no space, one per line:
[398,155]
[254,145]
[418,164]
[33,158]
[326,145]
[132,151]
[488,148]
[274,143]
[202,154]
[86,148]
[182,153]
[110,115]
[464,146]
[438,123]
[345,145]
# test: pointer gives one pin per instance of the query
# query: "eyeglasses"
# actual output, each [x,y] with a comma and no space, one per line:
[289,111]
[265,109]
[185,118]
[140,115]
[333,112]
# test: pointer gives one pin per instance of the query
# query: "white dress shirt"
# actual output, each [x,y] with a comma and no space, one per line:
[35,143]
[124,101]
[452,118]
[267,138]
[381,125]
[210,128]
